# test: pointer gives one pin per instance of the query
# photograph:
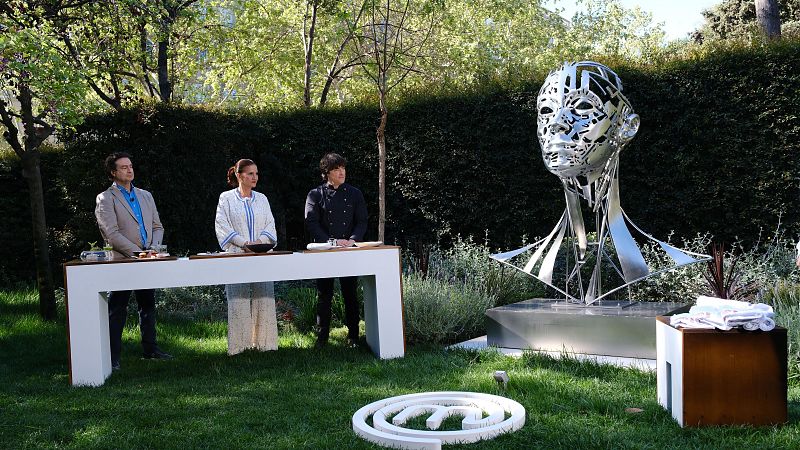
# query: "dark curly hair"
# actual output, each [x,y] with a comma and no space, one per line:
[331,161]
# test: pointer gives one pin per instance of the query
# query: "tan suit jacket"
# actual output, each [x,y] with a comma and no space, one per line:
[118,224]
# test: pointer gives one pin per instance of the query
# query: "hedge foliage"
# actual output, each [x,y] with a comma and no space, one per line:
[717,152]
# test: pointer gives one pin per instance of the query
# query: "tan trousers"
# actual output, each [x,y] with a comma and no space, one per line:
[252,322]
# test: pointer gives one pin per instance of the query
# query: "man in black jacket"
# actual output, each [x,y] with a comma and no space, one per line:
[336,210]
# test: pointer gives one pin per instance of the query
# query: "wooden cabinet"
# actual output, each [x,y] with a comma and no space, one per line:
[713,377]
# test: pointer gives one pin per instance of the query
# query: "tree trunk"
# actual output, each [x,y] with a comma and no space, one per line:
[323,98]
[309,49]
[143,60]
[769,18]
[164,85]
[27,148]
[382,169]
[44,278]
[36,131]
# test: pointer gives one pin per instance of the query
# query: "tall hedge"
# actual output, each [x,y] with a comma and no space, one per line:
[717,152]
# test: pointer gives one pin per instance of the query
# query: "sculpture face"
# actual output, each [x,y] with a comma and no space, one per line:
[583,119]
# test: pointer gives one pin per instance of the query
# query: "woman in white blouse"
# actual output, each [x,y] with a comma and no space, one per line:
[244,217]
[797,256]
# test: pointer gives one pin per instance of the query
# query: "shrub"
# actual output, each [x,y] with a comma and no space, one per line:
[680,285]
[304,300]
[761,265]
[785,299]
[195,302]
[209,303]
[470,263]
[440,312]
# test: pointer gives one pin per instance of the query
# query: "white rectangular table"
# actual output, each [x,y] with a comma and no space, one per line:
[87,285]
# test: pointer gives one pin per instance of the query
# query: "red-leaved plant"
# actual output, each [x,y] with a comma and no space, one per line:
[726,284]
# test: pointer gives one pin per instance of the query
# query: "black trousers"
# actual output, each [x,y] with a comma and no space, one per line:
[325,297]
[118,312]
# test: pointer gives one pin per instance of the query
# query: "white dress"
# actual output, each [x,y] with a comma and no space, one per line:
[252,322]
[797,255]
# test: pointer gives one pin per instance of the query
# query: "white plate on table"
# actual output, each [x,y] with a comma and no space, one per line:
[368,244]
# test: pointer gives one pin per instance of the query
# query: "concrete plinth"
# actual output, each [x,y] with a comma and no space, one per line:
[613,328]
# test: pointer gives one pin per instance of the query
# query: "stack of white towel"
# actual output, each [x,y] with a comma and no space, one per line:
[711,312]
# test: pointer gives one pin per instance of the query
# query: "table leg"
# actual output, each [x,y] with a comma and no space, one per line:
[383,314]
[669,368]
[90,351]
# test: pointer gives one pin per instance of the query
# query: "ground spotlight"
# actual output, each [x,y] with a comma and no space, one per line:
[501,377]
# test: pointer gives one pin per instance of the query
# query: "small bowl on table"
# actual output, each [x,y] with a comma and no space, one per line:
[260,248]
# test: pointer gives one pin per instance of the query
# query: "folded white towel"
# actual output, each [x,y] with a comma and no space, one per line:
[319,246]
[767,324]
[687,320]
[751,325]
[724,314]
[762,307]
[715,302]
[741,316]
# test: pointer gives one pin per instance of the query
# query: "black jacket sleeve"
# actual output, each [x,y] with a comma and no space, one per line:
[314,216]
[359,218]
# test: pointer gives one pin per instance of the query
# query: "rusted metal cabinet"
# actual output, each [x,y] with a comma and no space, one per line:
[713,377]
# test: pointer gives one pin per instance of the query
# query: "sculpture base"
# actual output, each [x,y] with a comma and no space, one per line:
[610,327]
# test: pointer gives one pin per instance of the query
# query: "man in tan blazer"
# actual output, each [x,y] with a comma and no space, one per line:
[128,220]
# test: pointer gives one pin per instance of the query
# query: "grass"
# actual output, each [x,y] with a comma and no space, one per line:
[300,398]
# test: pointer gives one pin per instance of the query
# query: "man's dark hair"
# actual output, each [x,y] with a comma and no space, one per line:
[331,161]
[111,163]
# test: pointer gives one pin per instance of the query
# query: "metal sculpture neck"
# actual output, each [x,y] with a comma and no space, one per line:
[612,228]
[594,187]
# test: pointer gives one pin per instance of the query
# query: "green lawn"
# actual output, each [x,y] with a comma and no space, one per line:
[301,398]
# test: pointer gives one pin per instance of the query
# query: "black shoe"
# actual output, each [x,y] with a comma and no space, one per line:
[115,366]
[156,354]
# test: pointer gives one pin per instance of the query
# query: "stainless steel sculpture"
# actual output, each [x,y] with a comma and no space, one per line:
[584,121]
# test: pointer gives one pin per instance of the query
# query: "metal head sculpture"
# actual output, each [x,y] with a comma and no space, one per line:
[584,121]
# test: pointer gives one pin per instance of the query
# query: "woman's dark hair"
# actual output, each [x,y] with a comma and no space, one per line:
[331,161]
[238,168]
[111,163]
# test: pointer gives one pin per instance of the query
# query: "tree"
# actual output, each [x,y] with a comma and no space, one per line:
[393,40]
[342,64]
[239,54]
[252,56]
[309,27]
[737,19]
[39,89]
[605,27]
[127,49]
[160,18]
[290,53]
[769,19]
[477,41]
[348,15]
[95,39]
